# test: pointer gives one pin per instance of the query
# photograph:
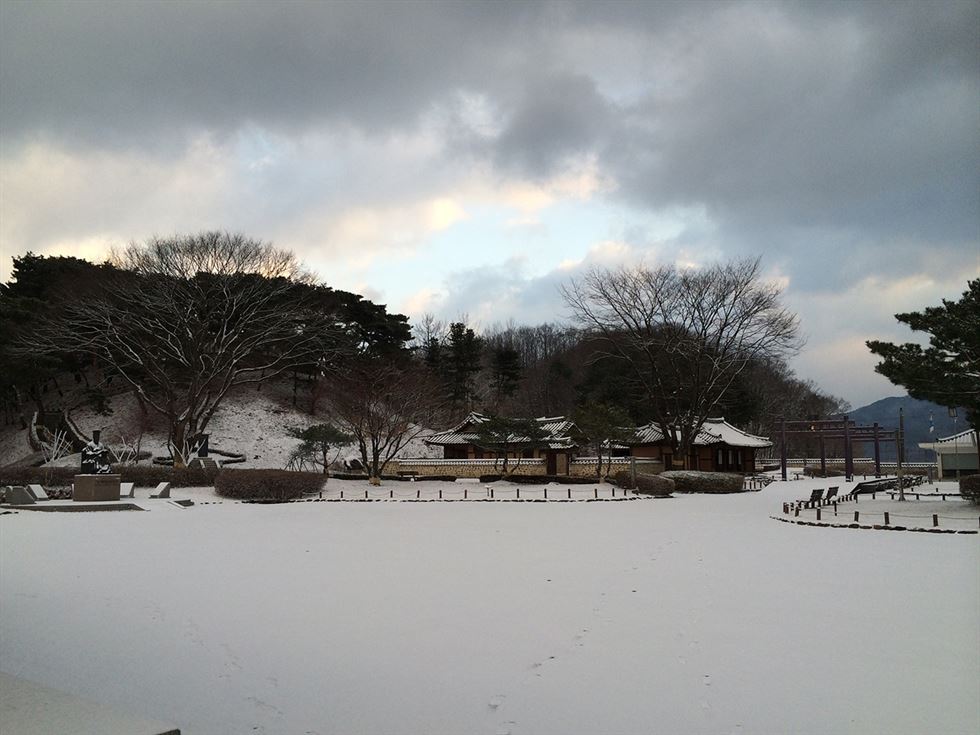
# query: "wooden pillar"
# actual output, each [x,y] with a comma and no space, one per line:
[823,454]
[900,452]
[848,463]
[782,447]
[877,453]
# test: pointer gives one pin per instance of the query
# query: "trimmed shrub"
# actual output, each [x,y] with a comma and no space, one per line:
[267,484]
[654,485]
[694,481]
[970,488]
[490,478]
[142,475]
[624,479]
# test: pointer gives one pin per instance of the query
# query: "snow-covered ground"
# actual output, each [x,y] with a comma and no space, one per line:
[696,614]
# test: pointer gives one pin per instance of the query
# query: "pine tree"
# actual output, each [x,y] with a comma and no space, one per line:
[948,370]
[505,374]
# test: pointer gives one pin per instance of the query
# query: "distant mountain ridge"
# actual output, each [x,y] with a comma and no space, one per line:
[919,417]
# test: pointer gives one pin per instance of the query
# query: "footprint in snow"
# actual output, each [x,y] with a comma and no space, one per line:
[506,728]
[707,680]
[496,700]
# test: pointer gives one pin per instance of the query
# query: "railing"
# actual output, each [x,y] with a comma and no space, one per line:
[797,461]
[475,492]
[511,462]
[878,516]
[616,461]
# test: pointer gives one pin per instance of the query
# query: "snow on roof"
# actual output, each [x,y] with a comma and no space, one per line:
[731,435]
[559,431]
[714,431]
[964,441]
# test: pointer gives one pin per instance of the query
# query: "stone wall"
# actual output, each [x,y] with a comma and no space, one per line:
[583,467]
[465,467]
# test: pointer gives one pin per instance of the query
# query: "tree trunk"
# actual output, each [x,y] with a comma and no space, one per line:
[364,456]
[178,438]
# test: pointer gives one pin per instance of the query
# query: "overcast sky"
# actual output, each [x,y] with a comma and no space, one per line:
[468,158]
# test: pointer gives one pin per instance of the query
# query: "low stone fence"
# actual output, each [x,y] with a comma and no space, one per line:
[581,467]
[465,467]
[585,466]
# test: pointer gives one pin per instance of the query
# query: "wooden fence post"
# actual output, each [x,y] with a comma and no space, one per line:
[886,519]
[855,516]
[935,520]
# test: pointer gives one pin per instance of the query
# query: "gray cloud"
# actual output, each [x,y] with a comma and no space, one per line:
[111,73]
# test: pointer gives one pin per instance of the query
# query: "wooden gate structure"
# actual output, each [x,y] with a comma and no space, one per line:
[842,428]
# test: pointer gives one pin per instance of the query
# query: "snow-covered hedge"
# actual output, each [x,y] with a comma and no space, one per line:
[970,488]
[267,484]
[645,484]
[694,481]
[654,485]
[143,475]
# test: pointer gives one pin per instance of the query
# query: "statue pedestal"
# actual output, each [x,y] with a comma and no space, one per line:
[92,488]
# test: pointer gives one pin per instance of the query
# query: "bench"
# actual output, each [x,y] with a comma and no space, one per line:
[161,491]
[127,490]
[815,496]
[832,493]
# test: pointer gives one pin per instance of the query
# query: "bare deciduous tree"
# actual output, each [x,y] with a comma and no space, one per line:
[684,335]
[384,406]
[189,318]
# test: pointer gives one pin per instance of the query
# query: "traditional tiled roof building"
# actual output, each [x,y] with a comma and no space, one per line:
[719,446]
[955,454]
[561,442]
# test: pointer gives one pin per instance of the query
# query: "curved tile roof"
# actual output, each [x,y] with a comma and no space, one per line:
[714,431]
[559,430]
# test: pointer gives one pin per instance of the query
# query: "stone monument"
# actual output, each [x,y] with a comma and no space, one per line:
[95,457]
[95,482]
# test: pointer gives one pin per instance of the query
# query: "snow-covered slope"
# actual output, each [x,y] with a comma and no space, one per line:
[254,423]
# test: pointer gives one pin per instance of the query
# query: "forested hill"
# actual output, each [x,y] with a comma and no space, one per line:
[919,416]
